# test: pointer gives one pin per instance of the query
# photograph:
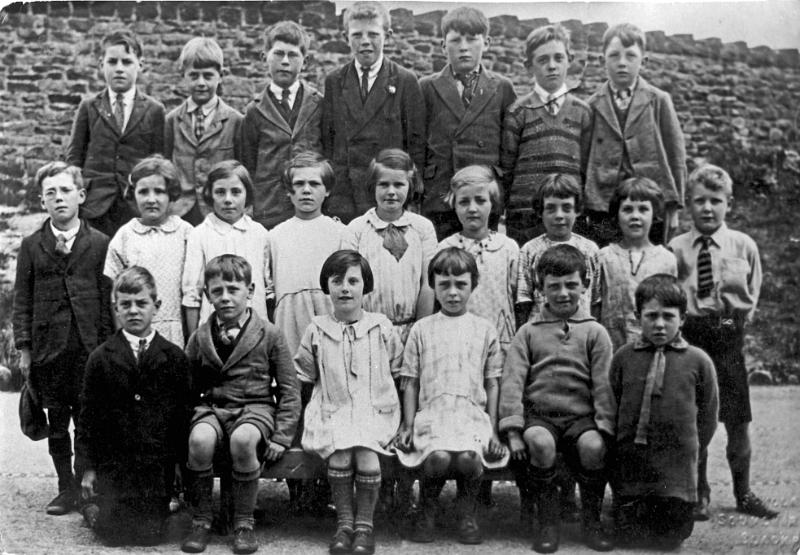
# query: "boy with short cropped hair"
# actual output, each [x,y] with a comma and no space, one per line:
[636,133]
[720,270]
[61,313]
[248,397]
[282,123]
[113,131]
[555,397]
[464,105]
[133,422]
[546,131]
[666,395]
[203,130]
[370,104]
[558,203]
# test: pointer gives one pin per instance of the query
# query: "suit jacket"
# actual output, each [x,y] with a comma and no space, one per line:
[107,156]
[268,143]
[134,416]
[353,133]
[259,358]
[51,289]
[192,157]
[459,136]
[653,140]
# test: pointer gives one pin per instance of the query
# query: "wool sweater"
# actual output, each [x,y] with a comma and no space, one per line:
[557,368]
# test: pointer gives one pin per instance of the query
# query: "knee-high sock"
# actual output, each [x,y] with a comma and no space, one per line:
[367,491]
[244,491]
[341,481]
[201,488]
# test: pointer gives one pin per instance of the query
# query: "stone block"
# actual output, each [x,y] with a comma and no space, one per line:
[335,46]
[21,86]
[125,10]
[189,11]
[169,11]
[60,9]
[230,15]
[402,20]
[594,34]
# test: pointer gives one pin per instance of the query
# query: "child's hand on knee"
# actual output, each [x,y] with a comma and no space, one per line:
[274,451]
[403,439]
[495,450]
[517,447]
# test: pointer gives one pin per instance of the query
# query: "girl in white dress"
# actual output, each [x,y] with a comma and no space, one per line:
[155,240]
[350,357]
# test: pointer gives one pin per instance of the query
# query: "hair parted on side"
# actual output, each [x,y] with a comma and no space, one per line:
[365,11]
[453,261]
[543,35]
[289,32]
[123,37]
[228,267]
[395,159]
[336,265]
[308,159]
[465,20]
[558,185]
[639,189]
[201,53]
[133,280]
[712,178]
[51,169]
[561,260]
[665,288]
[224,170]
[157,165]
[475,175]
[627,33]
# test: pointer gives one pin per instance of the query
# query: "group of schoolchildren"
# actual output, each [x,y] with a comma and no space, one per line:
[417,329]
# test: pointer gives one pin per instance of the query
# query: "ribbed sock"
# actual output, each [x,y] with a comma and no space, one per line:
[341,481]
[367,491]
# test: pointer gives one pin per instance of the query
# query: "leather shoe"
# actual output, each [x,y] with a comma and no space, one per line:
[595,538]
[363,542]
[547,539]
[700,512]
[750,504]
[468,531]
[342,541]
[424,527]
[197,540]
[244,541]
[62,504]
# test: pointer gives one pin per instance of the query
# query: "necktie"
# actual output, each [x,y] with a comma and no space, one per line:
[349,336]
[199,123]
[228,334]
[394,241]
[652,387]
[119,112]
[551,105]
[140,351]
[468,81]
[364,83]
[285,101]
[61,245]
[705,275]
[622,98]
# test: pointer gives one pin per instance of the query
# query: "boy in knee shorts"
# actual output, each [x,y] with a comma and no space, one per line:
[236,357]
[720,271]
[555,396]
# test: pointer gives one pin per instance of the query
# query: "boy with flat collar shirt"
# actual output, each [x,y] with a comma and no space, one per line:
[365,112]
[720,270]
[464,105]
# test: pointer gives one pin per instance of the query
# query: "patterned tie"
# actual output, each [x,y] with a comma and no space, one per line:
[394,241]
[285,101]
[622,98]
[140,351]
[552,105]
[705,274]
[468,81]
[61,245]
[119,112]
[229,333]
[652,387]
[364,83]
[199,123]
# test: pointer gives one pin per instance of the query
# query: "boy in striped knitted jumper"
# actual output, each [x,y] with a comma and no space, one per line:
[546,131]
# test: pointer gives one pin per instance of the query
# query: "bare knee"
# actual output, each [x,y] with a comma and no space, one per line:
[342,459]
[592,450]
[367,461]
[437,464]
[468,464]
[541,446]
[244,443]
[202,442]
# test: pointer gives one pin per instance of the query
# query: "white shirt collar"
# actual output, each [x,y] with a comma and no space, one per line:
[69,234]
[615,89]
[373,69]
[240,324]
[559,96]
[277,91]
[127,97]
[133,340]
[206,108]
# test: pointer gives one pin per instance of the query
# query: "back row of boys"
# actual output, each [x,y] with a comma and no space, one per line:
[463,115]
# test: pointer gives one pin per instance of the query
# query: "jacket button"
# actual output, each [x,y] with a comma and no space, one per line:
[137,397]
[481,143]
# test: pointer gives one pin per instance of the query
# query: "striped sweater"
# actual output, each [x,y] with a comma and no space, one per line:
[536,143]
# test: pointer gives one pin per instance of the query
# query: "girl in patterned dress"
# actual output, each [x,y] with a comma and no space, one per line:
[156,241]
[350,357]
[226,230]
[623,265]
[451,371]
[474,193]
[397,243]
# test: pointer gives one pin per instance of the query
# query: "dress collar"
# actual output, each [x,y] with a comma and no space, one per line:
[335,329]
[170,225]
[379,224]
[222,227]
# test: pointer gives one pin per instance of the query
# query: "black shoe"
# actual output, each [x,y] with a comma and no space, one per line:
[342,541]
[700,512]
[595,538]
[62,504]
[468,531]
[424,527]
[197,540]
[749,504]
[547,539]
[244,541]
[363,542]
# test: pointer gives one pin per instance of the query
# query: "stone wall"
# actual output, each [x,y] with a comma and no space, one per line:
[726,94]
